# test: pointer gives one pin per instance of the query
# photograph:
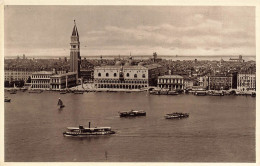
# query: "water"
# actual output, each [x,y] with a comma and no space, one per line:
[219,129]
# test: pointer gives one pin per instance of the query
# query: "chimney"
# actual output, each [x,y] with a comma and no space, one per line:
[88,124]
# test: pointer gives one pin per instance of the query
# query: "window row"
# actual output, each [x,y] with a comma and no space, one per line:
[126,81]
[40,86]
[40,82]
[170,80]
[120,86]
[127,75]
[40,76]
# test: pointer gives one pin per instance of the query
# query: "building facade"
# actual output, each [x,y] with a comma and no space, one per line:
[62,81]
[239,59]
[75,51]
[126,77]
[188,83]
[15,75]
[87,75]
[246,82]
[171,82]
[41,80]
[220,82]
[203,82]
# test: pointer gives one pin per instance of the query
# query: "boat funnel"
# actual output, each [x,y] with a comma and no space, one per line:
[88,124]
[81,127]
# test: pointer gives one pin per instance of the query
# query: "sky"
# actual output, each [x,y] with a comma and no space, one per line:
[119,30]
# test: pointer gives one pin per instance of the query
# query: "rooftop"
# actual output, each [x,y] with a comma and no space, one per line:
[64,74]
[170,76]
[43,72]
[129,67]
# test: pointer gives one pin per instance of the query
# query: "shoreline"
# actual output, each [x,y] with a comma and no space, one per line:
[161,92]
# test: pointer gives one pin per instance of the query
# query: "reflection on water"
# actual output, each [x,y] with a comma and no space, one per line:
[219,129]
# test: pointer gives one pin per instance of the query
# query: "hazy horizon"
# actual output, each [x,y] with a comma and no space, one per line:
[129,55]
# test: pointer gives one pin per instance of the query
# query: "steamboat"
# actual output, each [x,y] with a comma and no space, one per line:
[84,132]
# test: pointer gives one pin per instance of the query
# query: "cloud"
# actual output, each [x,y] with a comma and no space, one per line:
[171,30]
[201,33]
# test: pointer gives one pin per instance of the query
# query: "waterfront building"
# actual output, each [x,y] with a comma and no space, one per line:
[75,51]
[87,75]
[246,82]
[203,81]
[128,76]
[188,83]
[62,81]
[16,75]
[239,59]
[41,80]
[220,82]
[171,82]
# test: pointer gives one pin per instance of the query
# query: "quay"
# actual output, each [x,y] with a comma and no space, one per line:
[80,89]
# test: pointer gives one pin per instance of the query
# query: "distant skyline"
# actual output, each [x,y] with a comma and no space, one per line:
[141,30]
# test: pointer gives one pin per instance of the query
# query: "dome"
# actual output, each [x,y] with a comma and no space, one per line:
[141,64]
[118,63]
[127,64]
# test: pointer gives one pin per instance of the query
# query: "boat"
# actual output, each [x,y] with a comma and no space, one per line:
[217,94]
[253,94]
[63,92]
[176,115]
[78,92]
[36,91]
[84,132]
[13,92]
[60,103]
[173,93]
[200,93]
[7,99]
[132,113]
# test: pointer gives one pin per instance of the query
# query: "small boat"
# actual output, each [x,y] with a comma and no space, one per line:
[36,91]
[78,92]
[23,89]
[7,99]
[84,132]
[176,115]
[13,92]
[132,113]
[200,93]
[60,103]
[173,93]
[217,94]
[253,94]
[63,92]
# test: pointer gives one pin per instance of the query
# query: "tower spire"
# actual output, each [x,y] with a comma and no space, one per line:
[75,30]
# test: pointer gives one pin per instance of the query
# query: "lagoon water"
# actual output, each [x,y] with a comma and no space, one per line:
[219,129]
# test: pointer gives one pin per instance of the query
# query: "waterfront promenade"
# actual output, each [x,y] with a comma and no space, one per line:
[89,87]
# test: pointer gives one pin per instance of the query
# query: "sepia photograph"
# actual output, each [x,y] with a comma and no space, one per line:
[129,83]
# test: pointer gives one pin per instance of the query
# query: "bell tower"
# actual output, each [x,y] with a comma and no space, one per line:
[75,58]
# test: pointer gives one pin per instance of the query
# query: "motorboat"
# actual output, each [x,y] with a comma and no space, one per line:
[132,113]
[176,115]
[7,99]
